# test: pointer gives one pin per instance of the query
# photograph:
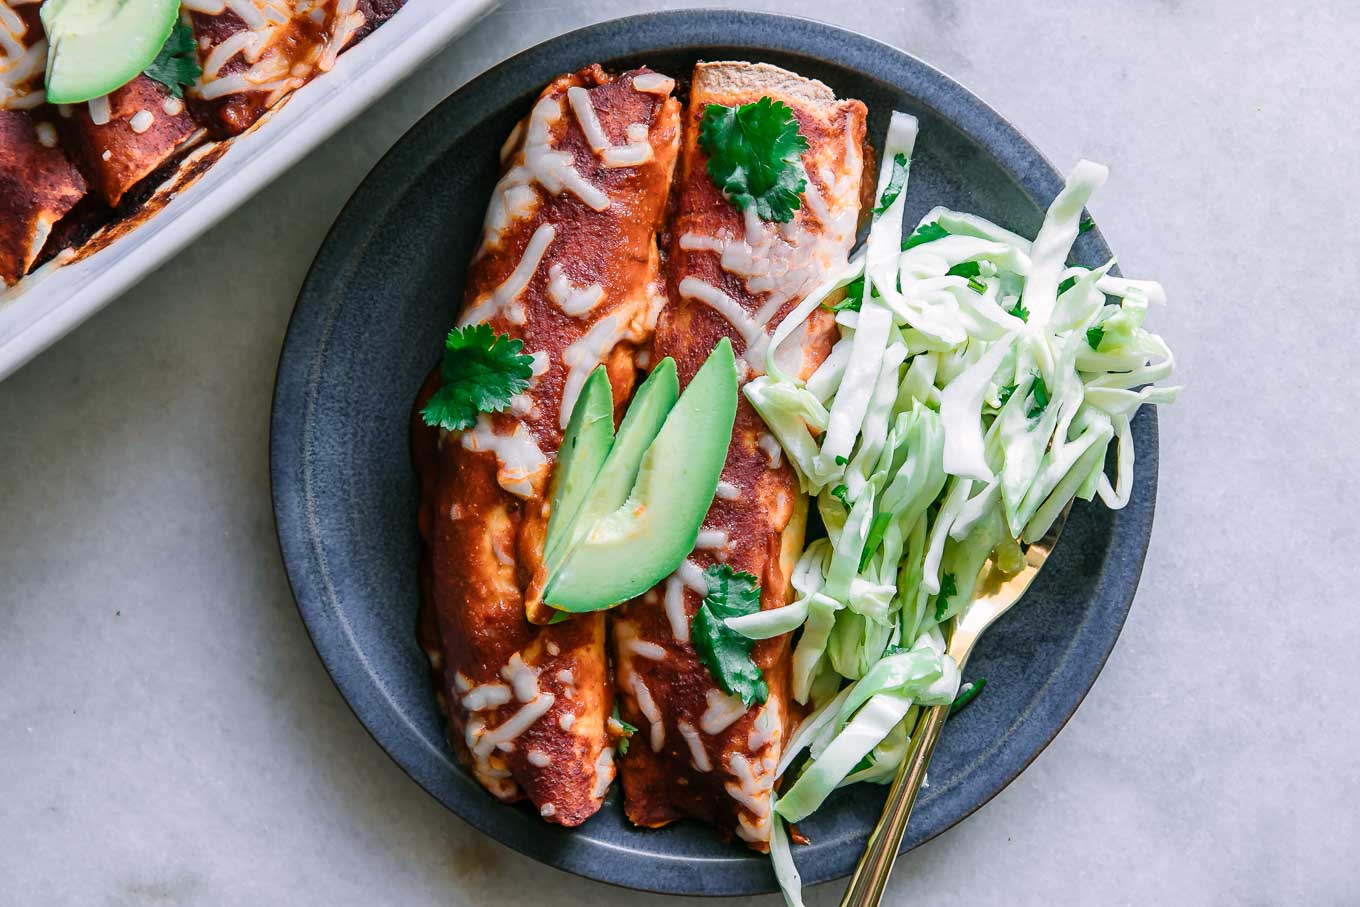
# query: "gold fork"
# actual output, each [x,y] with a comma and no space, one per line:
[996,593]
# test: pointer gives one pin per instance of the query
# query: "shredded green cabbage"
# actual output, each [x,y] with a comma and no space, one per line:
[973,395]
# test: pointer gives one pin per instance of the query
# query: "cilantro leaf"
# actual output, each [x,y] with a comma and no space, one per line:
[854,296]
[177,63]
[628,731]
[1040,391]
[1066,285]
[948,588]
[1085,225]
[895,184]
[755,156]
[840,460]
[1094,336]
[1019,311]
[481,371]
[840,492]
[967,695]
[924,234]
[1005,394]
[725,652]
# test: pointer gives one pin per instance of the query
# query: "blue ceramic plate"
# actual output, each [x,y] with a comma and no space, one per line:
[368,325]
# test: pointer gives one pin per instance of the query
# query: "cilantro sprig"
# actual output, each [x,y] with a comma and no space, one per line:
[177,63]
[481,372]
[725,652]
[755,156]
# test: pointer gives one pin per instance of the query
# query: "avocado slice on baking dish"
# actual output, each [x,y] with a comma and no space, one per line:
[96,46]
[635,545]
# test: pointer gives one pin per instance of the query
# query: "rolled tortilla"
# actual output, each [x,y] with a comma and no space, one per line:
[568,262]
[700,752]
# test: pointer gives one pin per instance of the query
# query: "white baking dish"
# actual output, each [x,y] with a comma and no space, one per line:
[46,304]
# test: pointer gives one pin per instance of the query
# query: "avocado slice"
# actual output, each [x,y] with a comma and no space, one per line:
[590,435]
[96,46]
[636,545]
[616,476]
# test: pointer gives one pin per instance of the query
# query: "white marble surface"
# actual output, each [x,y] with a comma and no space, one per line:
[168,736]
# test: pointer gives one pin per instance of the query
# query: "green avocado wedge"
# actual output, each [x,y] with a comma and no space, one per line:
[96,46]
[586,444]
[636,545]
[615,478]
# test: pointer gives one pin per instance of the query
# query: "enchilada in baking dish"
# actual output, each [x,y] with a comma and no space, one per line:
[215,68]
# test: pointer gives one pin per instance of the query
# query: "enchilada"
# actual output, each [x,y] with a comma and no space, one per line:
[568,263]
[704,752]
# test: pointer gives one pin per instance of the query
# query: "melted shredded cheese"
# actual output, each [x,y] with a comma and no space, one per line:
[604,773]
[583,356]
[723,710]
[523,678]
[277,61]
[770,446]
[630,642]
[554,169]
[692,575]
[573,300]
[647,706]
[727,491]
[515,725]
[675,608]
[21,65]
[711,540]
[486,697]
[751,331]
[697,753]
[505,299]
[638,150]
[653,83]
[765,728]
[521,464]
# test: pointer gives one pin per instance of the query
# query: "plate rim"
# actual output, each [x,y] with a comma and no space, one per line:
[930,87]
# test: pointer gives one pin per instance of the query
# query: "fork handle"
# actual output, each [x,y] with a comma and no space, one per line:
[871,875]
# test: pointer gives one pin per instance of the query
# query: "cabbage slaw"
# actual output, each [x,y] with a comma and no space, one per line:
[971,396]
